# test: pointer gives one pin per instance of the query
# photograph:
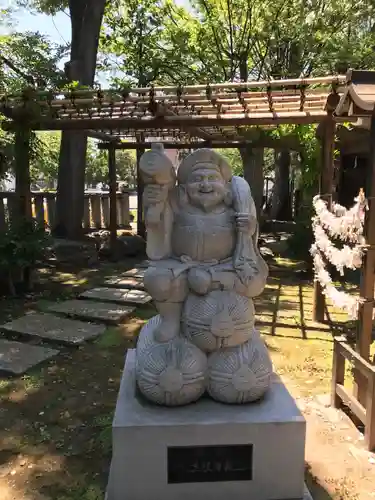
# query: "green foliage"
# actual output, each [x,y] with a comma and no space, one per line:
[6,152]
[133,41]
[29,59]
[50,7]
[22,246]
[159,41]
[234,158]
[44,161]
[309,151]
[97,166]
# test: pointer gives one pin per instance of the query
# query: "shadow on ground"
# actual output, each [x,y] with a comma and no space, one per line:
[317,491]
[55,422]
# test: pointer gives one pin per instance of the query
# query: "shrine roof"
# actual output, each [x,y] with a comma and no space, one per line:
[358,98]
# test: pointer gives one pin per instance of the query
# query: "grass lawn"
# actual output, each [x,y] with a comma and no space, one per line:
[55,422]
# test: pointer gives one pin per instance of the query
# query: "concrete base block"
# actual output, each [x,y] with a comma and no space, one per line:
[207,450]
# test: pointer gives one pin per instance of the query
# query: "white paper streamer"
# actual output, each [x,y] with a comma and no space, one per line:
[341,223]
[349,257]
[346,225]
[340,299]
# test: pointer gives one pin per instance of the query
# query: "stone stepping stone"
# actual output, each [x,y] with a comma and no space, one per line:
[50,327]
[96,311]
[16,358]
[117,295]
[125,282]
[136,272]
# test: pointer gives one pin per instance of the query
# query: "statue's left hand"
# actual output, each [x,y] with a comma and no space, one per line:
[246,223]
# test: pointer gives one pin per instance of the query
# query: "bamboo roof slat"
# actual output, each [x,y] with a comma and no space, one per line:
[192,100]
[203,112]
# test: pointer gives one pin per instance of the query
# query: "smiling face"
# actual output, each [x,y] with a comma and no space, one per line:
[206,187]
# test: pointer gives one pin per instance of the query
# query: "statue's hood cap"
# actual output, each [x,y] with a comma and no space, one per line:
[210,158]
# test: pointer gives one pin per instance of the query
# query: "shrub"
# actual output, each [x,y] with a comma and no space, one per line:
[22,246]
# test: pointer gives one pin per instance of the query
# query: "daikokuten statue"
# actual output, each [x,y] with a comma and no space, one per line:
[205,268]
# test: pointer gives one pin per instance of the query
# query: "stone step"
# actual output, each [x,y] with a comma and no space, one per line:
[50,327]
[117,295]
[16,357]
[91,310]
[136,272]
[125,282]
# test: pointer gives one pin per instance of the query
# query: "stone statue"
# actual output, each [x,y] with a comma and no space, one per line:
[205,268]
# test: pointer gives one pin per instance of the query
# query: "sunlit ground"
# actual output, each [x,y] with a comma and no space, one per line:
[56,421]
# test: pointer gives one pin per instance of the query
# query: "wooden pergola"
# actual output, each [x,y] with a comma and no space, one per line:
[214,115]
[217,115]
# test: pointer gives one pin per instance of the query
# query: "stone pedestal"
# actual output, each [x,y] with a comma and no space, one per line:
[207,450]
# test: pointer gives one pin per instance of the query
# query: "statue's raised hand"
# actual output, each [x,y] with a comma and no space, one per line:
[155,193]
[246,223]
[155,197]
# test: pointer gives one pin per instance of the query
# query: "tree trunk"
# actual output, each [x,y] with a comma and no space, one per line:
[252,159]
[86,19]
[281,208]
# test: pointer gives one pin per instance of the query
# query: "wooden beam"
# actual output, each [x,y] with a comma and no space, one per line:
[199,132]
[102,136]
[112,197]
[184,122]
[178,145]
[350,401]
[364,328]
[326,184]
[351,355]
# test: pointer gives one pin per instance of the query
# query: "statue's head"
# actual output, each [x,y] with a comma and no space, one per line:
[205,177]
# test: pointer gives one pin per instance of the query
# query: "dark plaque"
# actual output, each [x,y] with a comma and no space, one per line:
[204,464]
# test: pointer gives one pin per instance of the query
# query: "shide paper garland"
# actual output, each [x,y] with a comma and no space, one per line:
[346,225]
[340,299]
[349,257]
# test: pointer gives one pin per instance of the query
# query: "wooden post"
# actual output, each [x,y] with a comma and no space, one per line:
[104,199]
[141,230]
[125,210]
[3,223]
[119,211]
[86,213]
[370,414]
[39,208]
[364,324]
[51,209]
[96,211]
[22,170]
[338,374]
[112,197]
[326,183]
